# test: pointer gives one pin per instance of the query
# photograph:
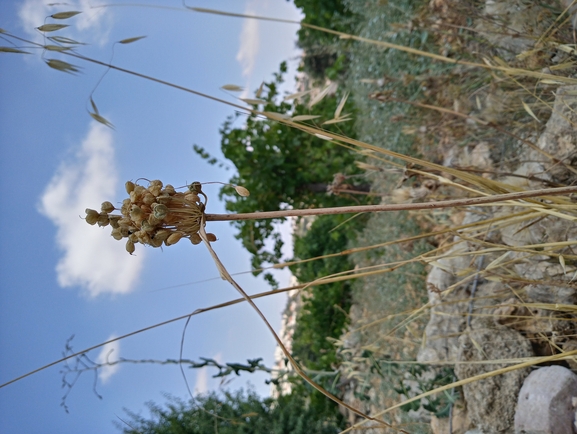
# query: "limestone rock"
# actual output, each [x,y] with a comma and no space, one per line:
[491,402]
[545,403]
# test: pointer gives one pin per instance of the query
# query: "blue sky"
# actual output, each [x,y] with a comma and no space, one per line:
[61,277]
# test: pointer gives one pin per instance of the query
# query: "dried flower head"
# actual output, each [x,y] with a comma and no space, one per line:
[155,215]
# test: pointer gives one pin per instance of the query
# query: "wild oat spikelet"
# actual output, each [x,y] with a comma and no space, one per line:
[154,215]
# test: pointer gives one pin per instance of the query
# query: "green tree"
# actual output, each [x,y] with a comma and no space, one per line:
[281,167]
[232,413]
[324,54]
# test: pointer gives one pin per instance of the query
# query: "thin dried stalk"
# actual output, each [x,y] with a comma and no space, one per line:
[394,207]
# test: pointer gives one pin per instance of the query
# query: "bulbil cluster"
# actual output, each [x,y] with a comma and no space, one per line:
[154,215]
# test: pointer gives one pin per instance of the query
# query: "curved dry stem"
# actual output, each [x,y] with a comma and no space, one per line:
[226,276]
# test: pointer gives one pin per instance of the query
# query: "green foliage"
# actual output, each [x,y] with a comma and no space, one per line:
[281,167]
[323,51]
[324,310]
[232,413]
[325,307]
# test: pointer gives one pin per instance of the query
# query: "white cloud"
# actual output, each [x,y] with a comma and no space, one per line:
[201,385]
[110,353]
[91,258]
[33,13]
[203,382]
[249,43]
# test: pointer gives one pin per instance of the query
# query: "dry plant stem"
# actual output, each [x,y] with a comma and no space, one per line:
[393,207]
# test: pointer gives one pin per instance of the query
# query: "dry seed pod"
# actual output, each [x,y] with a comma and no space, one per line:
[195,239]
[242,191]
[145,209]
[136,214]
[129,186]
[134,197]
[210,237]
[114,219]
[126,204]
[148,198]
[91,216]
[153,221]
[155,190]
[143,237]
[130,246]
[124,231]
[103,219]
[160,211]
[173,238]
[147,227]
[169,189]
[125,222]
[195,187]
[107,207]
[162,235]
[154,242]
[164,199]
[156,182]
[192,197]
[116,234]
[133,237]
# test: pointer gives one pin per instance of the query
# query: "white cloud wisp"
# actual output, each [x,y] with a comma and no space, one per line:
[93,21]
[109,353]
[249,44]
[91,258]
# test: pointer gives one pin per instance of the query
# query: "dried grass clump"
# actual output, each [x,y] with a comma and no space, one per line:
[154,215]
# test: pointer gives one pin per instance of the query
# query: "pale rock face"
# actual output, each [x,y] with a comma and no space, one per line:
[545,404]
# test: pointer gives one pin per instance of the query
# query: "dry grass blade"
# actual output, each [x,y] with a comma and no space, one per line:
[232,88]
[528,110]
[319,97]
[296,95]
[338,120]
[58,48]
[60,65]
[323,137]
[65,40]
[259,90]
[64,15]
[252,101]
[302,118]
[101,119]
[51,27]
[276,116]
[93,104]
[131,40]
[341,105]
[12,50]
